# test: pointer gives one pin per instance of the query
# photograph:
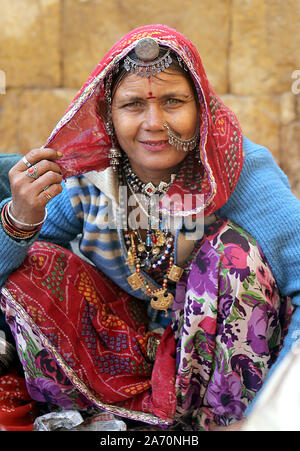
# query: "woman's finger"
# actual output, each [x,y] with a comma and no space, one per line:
[29,196]
[41,168]
[36,155]
[50,192]
[29,178]
[47,179]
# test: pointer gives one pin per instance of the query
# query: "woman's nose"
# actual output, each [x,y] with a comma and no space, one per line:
[154,117]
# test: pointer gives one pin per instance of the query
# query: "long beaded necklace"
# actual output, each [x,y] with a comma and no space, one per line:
[158,247]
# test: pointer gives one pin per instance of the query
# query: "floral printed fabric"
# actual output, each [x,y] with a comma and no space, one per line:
[229,322]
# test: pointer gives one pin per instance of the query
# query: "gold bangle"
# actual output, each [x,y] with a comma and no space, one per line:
[16,235]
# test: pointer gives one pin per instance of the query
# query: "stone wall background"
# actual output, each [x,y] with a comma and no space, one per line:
[250,49]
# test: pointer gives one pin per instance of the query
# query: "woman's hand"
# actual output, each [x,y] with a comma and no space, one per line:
[33,187]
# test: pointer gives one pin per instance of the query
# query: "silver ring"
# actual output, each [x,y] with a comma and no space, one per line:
[32,172]
[25,161]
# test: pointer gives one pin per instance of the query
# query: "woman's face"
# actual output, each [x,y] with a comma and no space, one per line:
[140,106]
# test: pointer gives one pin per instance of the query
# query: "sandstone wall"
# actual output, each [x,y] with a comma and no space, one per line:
[250,49]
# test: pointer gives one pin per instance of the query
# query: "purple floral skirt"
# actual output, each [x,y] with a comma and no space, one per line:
[228,321]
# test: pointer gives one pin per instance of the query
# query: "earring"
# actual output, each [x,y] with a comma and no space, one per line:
[114,155]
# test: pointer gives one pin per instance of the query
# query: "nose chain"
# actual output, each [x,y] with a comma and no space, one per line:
[181,144]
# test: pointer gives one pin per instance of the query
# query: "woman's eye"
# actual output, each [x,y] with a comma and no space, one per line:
[173,101]
[135,104]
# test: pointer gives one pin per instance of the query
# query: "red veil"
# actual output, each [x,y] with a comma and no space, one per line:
[81,135]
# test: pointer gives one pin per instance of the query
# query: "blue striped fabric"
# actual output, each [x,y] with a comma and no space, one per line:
[105,247]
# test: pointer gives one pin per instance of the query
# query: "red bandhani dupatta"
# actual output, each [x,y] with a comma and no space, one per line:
[83,341]
[81,135]
[17,409]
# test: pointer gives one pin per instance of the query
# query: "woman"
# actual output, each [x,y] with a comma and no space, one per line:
[179,318]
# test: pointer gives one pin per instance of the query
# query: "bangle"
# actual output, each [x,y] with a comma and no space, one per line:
[23,223]
[12,230]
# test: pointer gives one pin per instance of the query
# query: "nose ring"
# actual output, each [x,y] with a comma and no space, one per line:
[181,144]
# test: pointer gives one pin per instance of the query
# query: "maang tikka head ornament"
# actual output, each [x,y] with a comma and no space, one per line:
[146,59]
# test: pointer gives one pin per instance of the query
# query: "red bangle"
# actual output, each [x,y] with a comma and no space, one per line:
[13,231]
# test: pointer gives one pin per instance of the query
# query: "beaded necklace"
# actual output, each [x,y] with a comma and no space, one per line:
[146,188]
[158,248]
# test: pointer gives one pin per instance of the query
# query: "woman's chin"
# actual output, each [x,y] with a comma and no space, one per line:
[156,162]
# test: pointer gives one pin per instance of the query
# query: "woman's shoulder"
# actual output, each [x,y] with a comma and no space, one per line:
[260,168]
[254,151]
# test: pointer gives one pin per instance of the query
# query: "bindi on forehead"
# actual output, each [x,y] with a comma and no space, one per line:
[150,95]
[134,86]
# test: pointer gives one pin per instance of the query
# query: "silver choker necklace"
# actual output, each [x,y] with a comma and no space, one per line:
[141,187]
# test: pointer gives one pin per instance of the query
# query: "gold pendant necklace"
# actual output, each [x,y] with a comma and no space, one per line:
[161,298]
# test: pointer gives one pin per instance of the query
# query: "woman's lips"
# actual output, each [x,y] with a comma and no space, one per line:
[155,146]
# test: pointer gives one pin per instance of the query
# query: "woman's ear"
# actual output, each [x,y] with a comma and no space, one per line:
[105,115]
[102,110]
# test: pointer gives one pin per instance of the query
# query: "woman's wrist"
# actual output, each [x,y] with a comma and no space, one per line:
[10,228]
[23,225]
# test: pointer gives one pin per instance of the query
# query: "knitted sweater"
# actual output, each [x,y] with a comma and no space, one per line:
[262,203]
